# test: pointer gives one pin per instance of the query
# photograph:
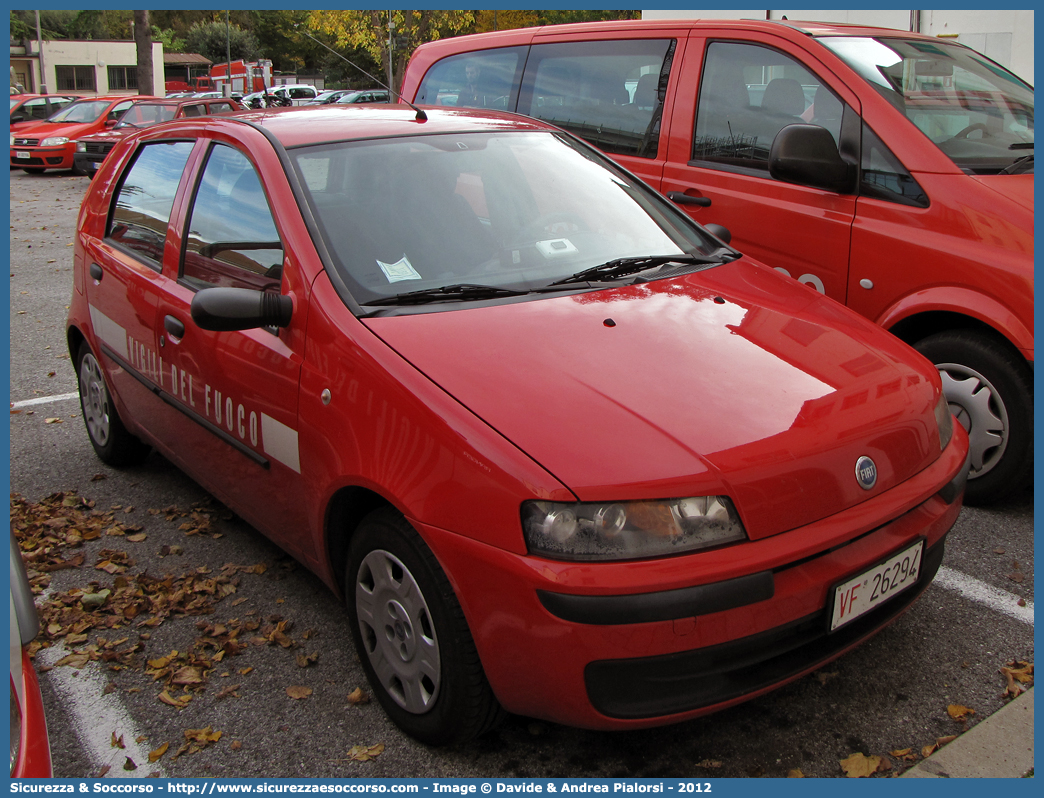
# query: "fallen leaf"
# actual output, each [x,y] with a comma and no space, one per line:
[959,712]
[129,764]
[154,756]
[823,677]
[180,702]
[102,771]
[236,745]
[858,766]
[357,696]
[298,691]
[137,538]
[117,742]
[303,660]
[795,773]
[900,752]
[52,421]
[226,692]
[364,753]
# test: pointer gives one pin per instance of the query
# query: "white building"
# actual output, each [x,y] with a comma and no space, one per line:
[83,67]
[1004,36]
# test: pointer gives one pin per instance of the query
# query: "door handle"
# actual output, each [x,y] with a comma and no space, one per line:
[96,271]
[174,327]
[685,199]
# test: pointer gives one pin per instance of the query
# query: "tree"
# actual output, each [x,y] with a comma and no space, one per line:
[143,45]
[368,30]
[208,39]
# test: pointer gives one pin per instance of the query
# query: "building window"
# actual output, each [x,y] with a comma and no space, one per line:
[123,77]
[75,78]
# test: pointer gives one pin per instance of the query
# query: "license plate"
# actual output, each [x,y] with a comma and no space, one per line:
[22,154]
[876,585]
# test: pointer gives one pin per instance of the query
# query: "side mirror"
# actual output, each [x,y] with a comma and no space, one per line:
[222,309]
[719,232]
[808,156]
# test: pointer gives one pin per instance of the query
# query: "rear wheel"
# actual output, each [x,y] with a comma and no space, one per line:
[990,392]
[412,637]
[111,441]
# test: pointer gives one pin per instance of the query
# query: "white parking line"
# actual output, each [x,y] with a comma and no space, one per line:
[44,400]
[975,590]
[96,717]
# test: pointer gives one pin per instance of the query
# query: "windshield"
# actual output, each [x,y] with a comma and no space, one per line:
[145,114]
[975,111]
[88,111]
[514,210]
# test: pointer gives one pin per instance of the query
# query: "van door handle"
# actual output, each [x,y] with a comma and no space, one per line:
[96,271]
[685,199]
[174,327]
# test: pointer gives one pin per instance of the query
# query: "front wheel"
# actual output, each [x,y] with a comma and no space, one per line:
[110,438]
[412,637]
[990,392]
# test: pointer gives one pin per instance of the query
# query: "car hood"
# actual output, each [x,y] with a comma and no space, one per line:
[734,380]
[45,130]
[1016,188]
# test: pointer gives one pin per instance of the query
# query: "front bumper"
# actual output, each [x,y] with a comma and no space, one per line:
[41,157]
[630,645]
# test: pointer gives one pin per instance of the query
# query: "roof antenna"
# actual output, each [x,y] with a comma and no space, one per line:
[421,116]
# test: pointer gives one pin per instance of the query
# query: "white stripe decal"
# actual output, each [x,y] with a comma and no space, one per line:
[44,400]
[976,590]
[280,442]
[110,332]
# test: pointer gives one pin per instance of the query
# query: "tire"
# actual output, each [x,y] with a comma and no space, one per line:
[111,441]
[412,637]
[990,392]
[33,170]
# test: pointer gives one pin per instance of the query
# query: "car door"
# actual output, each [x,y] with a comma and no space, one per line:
[736,94]
[235,393]
[125,277]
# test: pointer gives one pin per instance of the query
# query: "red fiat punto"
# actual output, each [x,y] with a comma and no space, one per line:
[545,433]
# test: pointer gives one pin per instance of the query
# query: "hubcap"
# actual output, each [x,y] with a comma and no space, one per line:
[977,405]
[398,632]
[95,400]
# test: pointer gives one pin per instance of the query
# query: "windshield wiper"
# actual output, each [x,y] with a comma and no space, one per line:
[621,267]
[1019,165]
[447,293]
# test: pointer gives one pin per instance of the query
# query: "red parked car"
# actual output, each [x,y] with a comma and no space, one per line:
[91,150]
[892,171]
[30,747]
[564,452]
[51,144]
[28,109]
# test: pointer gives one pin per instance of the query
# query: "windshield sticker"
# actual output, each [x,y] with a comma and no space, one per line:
[401,270]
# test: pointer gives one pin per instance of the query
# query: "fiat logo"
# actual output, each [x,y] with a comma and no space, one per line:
[866,472]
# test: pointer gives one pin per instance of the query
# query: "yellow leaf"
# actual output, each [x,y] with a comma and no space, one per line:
[959,712]
[357,696]
[795,774]
[364,753]
[154,756]
[298,691]
[180,702]
[858,766]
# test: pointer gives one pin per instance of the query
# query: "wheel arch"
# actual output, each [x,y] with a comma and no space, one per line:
[345,511]
[918,326]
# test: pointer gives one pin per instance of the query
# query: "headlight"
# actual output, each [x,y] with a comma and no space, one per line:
[54,141]
[944,418]
[629,530]
[12,139]
[81,146]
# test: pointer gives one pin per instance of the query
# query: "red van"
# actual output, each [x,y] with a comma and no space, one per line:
[889,170]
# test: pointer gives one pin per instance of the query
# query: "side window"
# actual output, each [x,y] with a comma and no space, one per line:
[884,177]
[748,93]
[232,239]
[119,110]
[609,93]
[141,210]
[482,79]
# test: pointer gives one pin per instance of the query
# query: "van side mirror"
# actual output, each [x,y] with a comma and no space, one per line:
[808,156]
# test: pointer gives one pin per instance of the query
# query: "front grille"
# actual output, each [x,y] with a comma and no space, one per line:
[26,142]
[98,147]
[27,162]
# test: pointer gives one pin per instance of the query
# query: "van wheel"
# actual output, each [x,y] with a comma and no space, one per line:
[412,637]
[111,441]
[990,392]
